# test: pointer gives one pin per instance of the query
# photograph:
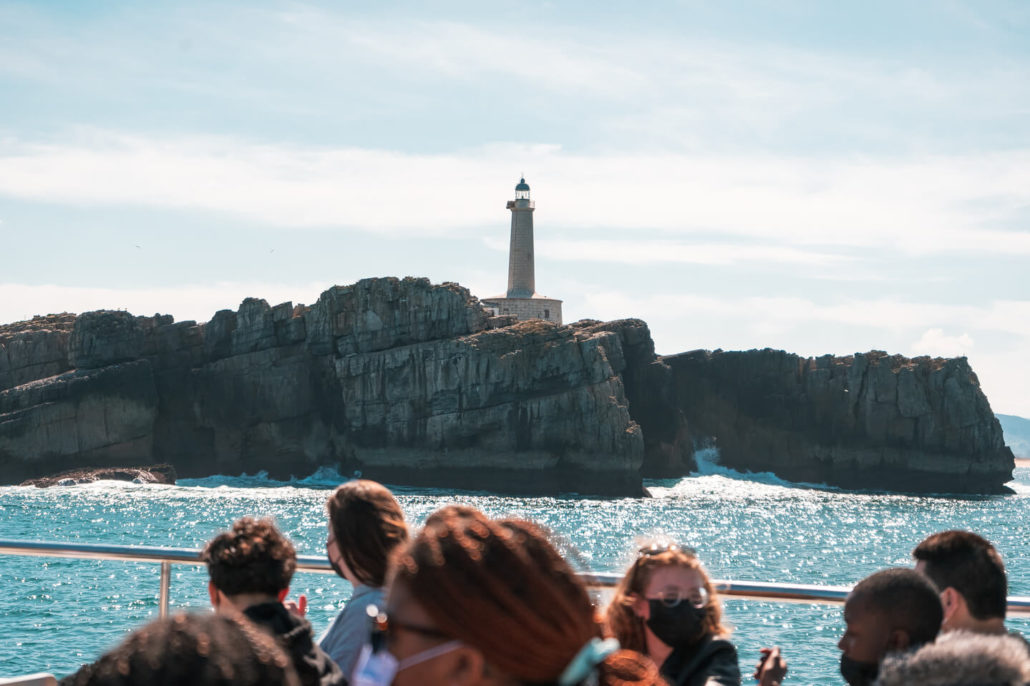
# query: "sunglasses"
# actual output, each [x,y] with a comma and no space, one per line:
[384,629]
[659,548]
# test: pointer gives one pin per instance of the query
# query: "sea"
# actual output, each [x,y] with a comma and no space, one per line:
[58,613]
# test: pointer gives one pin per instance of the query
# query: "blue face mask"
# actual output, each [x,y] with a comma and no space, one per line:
[378,668]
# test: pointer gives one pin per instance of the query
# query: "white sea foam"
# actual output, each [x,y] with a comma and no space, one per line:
[323,477]
[710,476]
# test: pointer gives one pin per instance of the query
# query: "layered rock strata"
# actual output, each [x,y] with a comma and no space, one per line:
[413,383]
[867,420]
[396,379]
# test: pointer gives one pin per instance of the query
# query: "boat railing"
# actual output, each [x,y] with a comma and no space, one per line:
[166,557]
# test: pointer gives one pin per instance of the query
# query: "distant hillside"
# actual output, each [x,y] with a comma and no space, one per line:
[1017,434]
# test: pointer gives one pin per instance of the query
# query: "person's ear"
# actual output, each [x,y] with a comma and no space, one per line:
[950,600]
[283,593]
[898,639]
[467,667]
[212,593]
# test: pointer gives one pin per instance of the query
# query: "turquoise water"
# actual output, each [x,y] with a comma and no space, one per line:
[60,613]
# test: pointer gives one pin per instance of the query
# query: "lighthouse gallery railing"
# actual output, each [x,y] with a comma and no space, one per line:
[166,557]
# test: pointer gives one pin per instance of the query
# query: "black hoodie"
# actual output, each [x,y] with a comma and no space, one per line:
[313,666]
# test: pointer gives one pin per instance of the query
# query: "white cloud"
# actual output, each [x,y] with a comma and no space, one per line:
[652,251]
[924,206]
[934,342]
[19,302]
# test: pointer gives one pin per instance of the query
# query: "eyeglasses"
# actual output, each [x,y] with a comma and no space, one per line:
[659,548]
[671,596]
[385,628]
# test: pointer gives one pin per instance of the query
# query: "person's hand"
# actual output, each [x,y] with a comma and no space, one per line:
[771,667]
[299,608]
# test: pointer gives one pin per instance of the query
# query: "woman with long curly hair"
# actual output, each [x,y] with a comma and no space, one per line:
[473,601]
[666,607]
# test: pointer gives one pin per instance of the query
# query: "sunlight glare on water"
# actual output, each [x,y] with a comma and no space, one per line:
[61,613]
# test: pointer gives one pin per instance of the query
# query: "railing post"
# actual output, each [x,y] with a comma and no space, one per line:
[166,580]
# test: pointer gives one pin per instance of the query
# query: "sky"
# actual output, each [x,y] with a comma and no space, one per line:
[817,177]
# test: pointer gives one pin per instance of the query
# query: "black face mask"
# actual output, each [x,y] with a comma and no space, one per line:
[337,568]
[678,625]
[858,673]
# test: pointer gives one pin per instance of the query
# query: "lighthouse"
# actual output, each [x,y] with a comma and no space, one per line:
[521,298]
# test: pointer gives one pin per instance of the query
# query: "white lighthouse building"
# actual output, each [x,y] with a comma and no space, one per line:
[522,300]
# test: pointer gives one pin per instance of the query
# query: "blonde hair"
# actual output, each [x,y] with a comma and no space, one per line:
[624,624]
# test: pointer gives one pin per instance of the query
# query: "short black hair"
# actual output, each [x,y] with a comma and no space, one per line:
[254,557]
[969,564]
[202,650]
[908,600]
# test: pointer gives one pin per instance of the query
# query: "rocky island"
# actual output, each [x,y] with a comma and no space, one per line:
[414,383]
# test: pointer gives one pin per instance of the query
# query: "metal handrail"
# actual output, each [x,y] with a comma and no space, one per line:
[745,590]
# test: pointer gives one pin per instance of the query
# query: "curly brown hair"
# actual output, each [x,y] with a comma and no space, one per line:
[368,524]
[500,586]
[201,650]
[253,557]
[624,624]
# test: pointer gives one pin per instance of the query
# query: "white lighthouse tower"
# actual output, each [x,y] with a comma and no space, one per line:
[521,298]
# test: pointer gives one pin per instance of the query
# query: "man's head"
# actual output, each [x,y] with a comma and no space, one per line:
[203,650]
[253,562]
[970,575]
[892,610]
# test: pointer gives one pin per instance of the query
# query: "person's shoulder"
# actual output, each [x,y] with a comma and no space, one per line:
[721,644]
[723,663]
[1020,637]
[366,594]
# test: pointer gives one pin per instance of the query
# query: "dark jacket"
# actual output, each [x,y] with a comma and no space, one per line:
[712,662]
[294,635]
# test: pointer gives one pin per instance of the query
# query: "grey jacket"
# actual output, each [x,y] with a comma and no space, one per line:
[960,658]
[349,631]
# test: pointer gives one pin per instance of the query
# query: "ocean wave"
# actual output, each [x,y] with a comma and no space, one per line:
[708,465]
[710,476]
[323,477]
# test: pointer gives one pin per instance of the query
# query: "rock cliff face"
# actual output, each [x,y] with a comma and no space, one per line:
[413,383]
[398,379]
[863,421]
[154,474]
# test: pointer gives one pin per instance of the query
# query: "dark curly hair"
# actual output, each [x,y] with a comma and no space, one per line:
[200,650]
[254,557]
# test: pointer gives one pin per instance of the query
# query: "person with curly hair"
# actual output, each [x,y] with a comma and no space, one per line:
[473,601]
[200,650]
[251,567]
